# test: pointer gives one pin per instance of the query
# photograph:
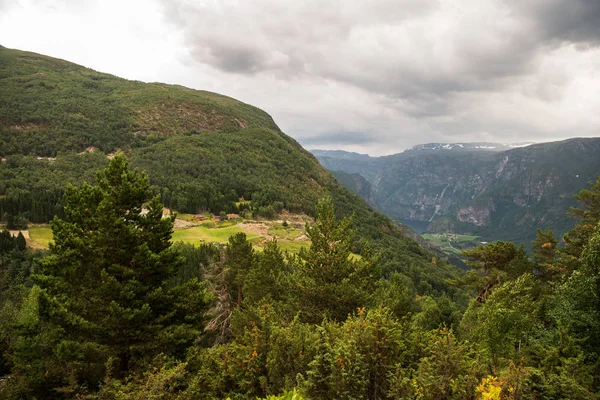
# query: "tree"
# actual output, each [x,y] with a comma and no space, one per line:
[588,216]
[544,252]
[239,257]
[20,243]
[449,370]
[268,280]
[495,260]
[106,307]
[227,276]
[330,282]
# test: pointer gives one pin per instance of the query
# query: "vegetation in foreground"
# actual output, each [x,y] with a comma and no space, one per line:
[114,311]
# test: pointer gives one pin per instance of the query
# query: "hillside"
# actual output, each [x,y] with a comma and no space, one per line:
[481,189]
[61,122]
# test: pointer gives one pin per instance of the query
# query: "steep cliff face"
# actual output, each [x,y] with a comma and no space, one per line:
[482,189]
[357,184]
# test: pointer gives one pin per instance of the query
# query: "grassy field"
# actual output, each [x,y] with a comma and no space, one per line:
[452,243]
[293,247]
[41,235]
[208,234]
[281,232]
[222,231]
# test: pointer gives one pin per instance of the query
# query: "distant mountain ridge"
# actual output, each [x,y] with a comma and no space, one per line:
[497,194]
[482,146]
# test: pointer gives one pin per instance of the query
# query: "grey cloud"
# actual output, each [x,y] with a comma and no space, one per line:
[232,57]
[436,69]
[7,4]
[382,46]
[575,21]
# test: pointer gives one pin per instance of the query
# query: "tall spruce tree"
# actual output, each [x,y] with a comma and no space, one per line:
[330,282]
[106,307]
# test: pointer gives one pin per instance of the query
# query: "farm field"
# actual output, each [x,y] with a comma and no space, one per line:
[290,238]
[205,233]
[452,243]
[40,234]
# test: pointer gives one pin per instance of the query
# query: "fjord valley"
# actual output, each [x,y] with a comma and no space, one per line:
[485,189]
[187,248]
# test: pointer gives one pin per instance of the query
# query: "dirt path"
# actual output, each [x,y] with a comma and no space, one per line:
[258,228]
[179,223]
[33,245]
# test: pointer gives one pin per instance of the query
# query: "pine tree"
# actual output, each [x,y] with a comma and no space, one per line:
[106,306]
[544,252]
[494,261]
[588,216]
[20,242]
[329,281]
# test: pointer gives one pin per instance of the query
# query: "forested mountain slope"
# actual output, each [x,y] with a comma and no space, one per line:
[60,122]
[483,189]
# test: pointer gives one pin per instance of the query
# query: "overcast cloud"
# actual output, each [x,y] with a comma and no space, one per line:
[373,76]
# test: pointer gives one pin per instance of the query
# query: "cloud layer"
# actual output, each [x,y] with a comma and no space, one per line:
[375,76]
[424,70]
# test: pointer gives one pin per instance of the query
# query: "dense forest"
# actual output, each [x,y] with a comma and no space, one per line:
[115,311]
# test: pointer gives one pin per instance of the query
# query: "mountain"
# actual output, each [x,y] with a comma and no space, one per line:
[356,183]
[490,190]
[482,146]
[60,122]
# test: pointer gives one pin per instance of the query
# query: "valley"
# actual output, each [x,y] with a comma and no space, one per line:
[496,192]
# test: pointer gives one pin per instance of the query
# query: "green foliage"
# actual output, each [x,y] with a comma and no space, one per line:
[105,306]
[544,249]
[330,283]
[448,370]
[355,360]
[115,311]
[496,262]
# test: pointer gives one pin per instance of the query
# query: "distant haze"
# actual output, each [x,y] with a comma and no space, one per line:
[376,76]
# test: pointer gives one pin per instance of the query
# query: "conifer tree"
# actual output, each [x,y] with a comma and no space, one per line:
[106,306]
[544,252]
[588,216]
[330,282]
[20,242]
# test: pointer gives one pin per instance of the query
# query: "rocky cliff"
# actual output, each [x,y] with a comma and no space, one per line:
[483,188]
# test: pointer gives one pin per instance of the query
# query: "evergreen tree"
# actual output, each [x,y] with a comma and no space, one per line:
[7,242]
[20,242]
[330,282]
[239,257]
[268,280]
[544,253]
[588,216]
[495,261]
[106,307]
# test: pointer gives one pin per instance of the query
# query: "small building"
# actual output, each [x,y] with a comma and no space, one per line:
[200,217]
[215,218]
[233,216]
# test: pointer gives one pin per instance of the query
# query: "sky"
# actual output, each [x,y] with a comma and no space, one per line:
[373,76]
